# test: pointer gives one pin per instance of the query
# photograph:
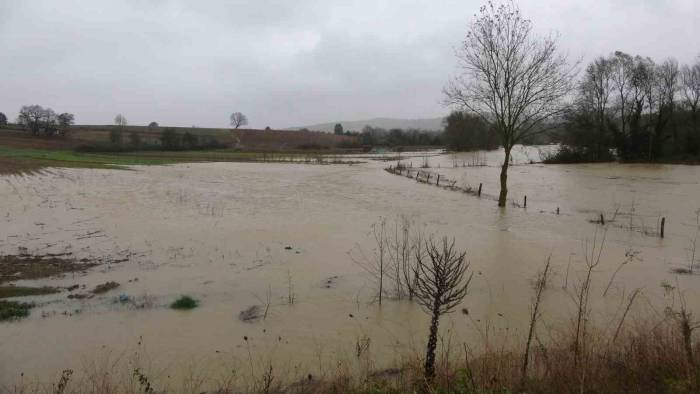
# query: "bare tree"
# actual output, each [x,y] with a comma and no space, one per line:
[120,120]
[238,120]
[621,70]
[690,87]
[115,135]
[65,121]
[595,90]
[33,117]
[38,119]
[666,83]
[400,249]
[513,80]
[540,286]
[441,285]
[408,263]
[592,253]
[377,262]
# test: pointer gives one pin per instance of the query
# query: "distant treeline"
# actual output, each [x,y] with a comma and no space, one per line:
[632,108]
[41,121]
[462,132]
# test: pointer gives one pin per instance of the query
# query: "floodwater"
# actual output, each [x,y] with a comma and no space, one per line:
[234,235]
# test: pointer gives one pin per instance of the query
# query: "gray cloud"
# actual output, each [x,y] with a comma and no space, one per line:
[283,63]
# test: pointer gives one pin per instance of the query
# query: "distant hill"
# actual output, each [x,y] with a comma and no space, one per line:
[434,124]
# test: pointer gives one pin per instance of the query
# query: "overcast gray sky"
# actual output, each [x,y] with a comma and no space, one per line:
[284,63]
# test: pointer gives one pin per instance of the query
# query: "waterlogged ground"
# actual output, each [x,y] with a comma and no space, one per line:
[235,235]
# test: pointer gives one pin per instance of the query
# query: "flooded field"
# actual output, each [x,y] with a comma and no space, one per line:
[242,235]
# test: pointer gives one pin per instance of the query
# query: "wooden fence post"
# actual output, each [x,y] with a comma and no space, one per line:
[663,225]
[438,181]
[602,219]
[479,192]
[525,202]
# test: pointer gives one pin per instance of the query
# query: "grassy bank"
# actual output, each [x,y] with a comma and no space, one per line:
[19,160]
[648,357]
[27,160]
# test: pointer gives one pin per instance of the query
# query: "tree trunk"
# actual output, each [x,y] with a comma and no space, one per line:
[504,179]
[381,282]
[432,345]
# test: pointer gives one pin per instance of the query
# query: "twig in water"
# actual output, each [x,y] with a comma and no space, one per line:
[540,285]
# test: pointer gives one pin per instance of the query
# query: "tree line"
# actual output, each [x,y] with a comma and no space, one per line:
[634,108]
[461,132]
[41,121]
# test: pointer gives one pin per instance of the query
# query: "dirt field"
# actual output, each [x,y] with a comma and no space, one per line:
[22,140]
[247,139]
[285,139]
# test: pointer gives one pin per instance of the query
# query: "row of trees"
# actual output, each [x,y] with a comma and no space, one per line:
[642,109]
[466,132]
[462,132]
[397,137]
[42,121]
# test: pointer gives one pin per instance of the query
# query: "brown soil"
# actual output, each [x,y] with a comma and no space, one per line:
[22,139]
[286,140]
[19,167]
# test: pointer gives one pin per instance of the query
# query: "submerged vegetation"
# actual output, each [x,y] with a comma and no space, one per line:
[23,291]
[656,353]
[184,302]
[10,310]
[27,266]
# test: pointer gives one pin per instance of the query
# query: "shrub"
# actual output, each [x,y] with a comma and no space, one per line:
[14,310]
[184,302]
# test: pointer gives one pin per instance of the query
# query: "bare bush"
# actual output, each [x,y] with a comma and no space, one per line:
[441,285]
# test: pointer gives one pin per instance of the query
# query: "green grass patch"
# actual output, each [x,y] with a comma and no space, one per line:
[78,159]
[30,160]
[185,302]
[10,310]
[22,291]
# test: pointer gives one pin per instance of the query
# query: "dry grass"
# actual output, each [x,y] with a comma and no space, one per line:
[648,357]
[26,266]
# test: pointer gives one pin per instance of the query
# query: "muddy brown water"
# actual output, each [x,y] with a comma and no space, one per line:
[221,232]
